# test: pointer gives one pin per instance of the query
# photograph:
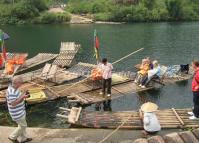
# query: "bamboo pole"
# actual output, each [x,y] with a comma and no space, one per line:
[62,116]
[128,55]
[65,109]
[178,117]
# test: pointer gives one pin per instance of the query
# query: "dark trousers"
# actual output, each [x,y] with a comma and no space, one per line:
[196,103]
[106,83]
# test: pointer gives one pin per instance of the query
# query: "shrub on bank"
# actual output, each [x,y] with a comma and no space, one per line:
[48,18]
[102,17]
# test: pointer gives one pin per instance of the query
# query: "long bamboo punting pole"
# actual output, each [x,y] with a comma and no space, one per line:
[128,56]
[117,61]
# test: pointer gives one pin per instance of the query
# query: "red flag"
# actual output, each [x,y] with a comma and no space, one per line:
[4,53]
[96,42]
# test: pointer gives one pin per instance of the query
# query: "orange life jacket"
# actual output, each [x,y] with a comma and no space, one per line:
[20,60]
[96,74]
[9,68]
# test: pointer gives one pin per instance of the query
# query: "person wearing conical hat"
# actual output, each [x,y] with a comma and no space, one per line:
[150,120]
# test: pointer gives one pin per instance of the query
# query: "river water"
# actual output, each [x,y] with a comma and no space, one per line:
[169,43]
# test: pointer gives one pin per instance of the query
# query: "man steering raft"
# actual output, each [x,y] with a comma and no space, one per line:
[16,107]
[106,77]
[195,90]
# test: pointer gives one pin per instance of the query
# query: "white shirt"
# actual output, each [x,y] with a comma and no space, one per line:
[154,71]
[151,123]
[106,70]
[18,111]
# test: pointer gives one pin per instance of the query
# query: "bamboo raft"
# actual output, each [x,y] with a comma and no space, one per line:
[62,76]
[54,92]
[39,59]
[87,92]
[67,54]
[169,118]
[126,88]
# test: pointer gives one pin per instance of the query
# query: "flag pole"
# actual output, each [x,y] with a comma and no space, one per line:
[96,48]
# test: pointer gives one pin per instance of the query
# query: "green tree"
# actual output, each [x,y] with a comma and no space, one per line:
[175,9]
[150,4]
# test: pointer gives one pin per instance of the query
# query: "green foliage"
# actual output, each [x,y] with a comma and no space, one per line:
[175,9]
[48,18]
[143,11]
[102,16]
[26,11]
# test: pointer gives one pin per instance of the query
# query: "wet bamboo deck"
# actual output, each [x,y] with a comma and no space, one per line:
[87,92]
[169,119]
[67,54]
[39,59]
[126,88]
[118,90]
[181,137]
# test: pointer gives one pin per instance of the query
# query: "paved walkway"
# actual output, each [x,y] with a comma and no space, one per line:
[41,135]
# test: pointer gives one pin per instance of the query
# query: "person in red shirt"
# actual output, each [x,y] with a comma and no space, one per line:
[1,61]
[195,90]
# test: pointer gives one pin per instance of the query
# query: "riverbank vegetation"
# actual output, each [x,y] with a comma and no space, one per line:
[29,11]
[36,11]
[137,10]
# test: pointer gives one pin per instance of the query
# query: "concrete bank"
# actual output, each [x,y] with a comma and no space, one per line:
[43,135]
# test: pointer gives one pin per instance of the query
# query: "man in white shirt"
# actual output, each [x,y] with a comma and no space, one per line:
[16,108]
[106,77]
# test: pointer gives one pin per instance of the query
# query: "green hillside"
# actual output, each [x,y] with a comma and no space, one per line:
[137,10]
[30,11]
[35,11]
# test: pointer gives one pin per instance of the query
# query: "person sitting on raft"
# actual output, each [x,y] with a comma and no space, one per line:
[149,118]
[145,66]
[153,73]
[150,63]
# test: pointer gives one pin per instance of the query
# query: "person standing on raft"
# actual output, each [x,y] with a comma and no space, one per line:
[195,90]
[106,77]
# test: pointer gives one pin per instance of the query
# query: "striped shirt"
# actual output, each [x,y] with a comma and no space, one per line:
[18,111]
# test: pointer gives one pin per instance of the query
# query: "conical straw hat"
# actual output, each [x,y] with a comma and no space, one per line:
[149,107]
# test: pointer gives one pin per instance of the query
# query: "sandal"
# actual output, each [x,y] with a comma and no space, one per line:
[14,141]
[27,140]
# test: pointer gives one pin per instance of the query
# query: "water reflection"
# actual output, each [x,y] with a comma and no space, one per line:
[106,106]
[149,96]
